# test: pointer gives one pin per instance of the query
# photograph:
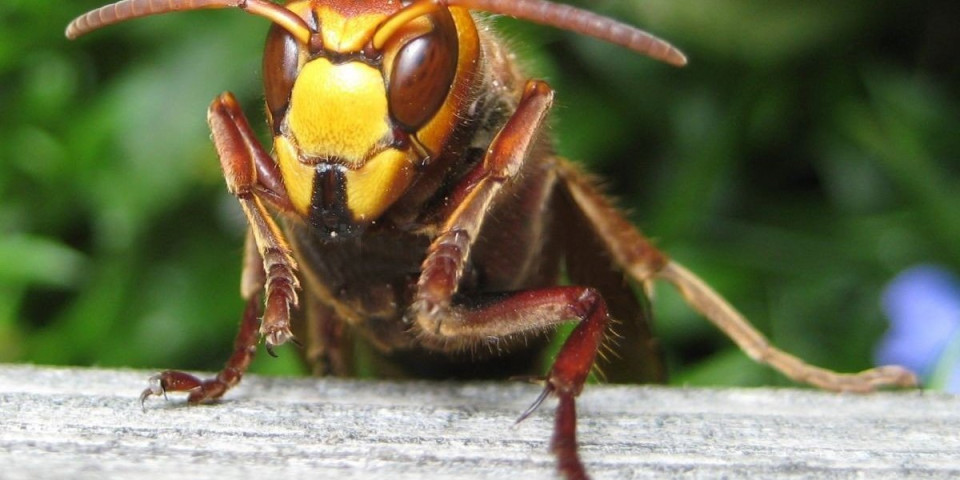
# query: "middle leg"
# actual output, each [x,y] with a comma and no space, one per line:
[445,320]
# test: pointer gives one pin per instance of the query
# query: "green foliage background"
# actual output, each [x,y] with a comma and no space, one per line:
[806,155]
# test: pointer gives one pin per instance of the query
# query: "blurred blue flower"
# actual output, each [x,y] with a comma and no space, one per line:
[923,305]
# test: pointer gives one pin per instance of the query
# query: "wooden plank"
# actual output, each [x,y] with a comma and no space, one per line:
[87,423]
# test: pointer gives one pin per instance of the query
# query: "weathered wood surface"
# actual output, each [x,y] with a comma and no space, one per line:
[87,423]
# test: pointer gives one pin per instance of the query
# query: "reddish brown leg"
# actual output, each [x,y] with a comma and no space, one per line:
[531,311]
[564,441]
[244,162]
[251,176]
[244,349]
[637,256]
[327,349]
[445,323]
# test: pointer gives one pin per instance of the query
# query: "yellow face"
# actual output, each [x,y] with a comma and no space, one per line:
[338,113]
[354,127]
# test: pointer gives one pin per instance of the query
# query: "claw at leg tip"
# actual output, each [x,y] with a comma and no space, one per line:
[155,388]
[536,404]
[143,398]
[279,337]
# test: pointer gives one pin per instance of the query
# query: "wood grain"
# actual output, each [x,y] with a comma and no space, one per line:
[87,423]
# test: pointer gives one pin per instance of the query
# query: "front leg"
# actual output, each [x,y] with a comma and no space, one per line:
[269,266]
[446,323]
[244,162]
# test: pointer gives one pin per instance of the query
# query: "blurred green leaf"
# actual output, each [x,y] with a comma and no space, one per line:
[38,260]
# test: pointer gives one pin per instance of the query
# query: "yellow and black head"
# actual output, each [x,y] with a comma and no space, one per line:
[361,106]
[362,94]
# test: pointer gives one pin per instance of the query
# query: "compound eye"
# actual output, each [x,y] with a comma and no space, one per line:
[422,73]
[281,64]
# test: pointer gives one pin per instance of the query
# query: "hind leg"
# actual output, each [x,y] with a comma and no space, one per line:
[637,256]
